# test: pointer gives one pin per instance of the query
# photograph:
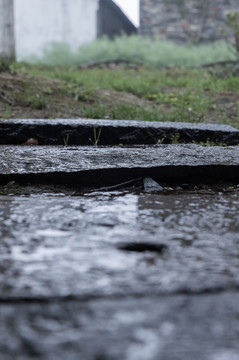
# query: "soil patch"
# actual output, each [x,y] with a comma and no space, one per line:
[26,96]
[23,95]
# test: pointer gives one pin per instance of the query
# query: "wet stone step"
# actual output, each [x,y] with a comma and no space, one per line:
[117,244]
[108,274]
[112,132]
[119,275]
[202,327]
[105,166]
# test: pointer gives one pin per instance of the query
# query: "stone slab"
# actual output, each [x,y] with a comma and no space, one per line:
[113,132]
[56,246]
[80,166]
[149,328]
[68,292]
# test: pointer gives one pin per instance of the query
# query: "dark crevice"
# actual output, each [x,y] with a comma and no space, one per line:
[142,247]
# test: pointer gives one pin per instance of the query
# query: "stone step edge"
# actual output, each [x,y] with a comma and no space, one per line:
[112,132]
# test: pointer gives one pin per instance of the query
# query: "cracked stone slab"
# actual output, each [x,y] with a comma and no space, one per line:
[101,166]
[113,132]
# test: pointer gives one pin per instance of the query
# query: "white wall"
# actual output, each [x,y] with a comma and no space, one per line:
[41,22]
[7,47]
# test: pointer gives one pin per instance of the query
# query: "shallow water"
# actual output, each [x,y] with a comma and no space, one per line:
[56,245]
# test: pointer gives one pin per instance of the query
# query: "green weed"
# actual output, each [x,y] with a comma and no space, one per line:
[37,101]
[133,112]
[4,64]
[47,90]
[94,111]
[96,137]
[175,139]
[66,140]
[82,94]
[8,111]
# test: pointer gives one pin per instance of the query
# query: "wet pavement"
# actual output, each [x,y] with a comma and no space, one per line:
[70,287]
[148,271]
[169,328]
[61,245]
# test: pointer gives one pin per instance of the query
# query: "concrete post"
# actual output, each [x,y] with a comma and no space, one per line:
[7,43]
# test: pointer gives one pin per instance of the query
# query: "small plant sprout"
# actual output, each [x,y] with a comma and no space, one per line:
[66,140]
[96,138]
[8,111]
[175,139]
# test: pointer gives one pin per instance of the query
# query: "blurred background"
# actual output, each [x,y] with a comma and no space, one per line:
[76,31]
[162,60]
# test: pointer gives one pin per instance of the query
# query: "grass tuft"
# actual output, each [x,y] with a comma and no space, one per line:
[37,102]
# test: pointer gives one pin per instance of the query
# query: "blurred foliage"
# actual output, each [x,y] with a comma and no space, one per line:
[4,64]
[233,21]
[135,48]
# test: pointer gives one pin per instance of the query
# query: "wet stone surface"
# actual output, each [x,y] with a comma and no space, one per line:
[81,167]
[170,328]
[54,246]
[147,272]
[23,159]
[119,275]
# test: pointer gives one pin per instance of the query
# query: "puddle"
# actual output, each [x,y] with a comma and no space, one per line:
[111,243]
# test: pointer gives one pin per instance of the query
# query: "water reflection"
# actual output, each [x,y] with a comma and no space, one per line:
[68,245]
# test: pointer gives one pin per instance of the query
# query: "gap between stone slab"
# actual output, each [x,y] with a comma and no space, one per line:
[134,186]
[112,132]
[97,178]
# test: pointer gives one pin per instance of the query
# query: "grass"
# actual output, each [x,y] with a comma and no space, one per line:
[146,82]
[37,101]
[4,64]
[145,92]
[157,94]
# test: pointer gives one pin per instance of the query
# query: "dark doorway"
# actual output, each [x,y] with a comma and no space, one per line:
[111,20]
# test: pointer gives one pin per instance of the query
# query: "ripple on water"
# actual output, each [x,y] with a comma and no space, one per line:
[69,245]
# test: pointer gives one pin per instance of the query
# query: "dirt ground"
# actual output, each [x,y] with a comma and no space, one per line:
[26,96]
